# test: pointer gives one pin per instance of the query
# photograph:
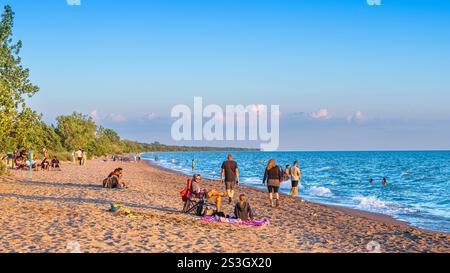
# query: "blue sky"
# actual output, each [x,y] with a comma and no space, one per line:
[347,76]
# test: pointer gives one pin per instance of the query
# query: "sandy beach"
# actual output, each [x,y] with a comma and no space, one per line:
[67,211]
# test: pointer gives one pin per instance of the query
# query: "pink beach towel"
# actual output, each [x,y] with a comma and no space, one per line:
[254,223]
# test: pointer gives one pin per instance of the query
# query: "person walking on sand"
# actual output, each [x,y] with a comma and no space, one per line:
[84,157]
[296,176]
[273,176]
[230,175]
[79,156]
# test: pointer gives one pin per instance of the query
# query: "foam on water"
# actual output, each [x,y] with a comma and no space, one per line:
[320,191]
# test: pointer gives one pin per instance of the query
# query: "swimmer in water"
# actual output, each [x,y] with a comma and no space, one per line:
[384,182]
[371,181]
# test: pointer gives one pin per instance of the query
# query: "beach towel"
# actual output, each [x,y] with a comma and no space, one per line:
[233,221]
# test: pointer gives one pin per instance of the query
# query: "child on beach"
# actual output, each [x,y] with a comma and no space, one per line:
[242,210]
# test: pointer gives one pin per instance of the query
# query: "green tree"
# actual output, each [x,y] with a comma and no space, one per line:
[14,86]
[77,131]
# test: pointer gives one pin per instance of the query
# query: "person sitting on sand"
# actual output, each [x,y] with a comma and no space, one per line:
[55,163]
[273,176]
[45,165]
[242,210]
[213,196]
[19,163]
[33,164]
[114,180]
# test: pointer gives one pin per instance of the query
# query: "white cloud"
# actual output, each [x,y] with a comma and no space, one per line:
[357,117]
[321,114]
[151,116]
[116,117]
[95,115]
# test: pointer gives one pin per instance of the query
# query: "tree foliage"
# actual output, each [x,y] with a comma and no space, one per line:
[16,119]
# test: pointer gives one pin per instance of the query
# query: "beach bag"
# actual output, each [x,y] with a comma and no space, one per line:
[186,192]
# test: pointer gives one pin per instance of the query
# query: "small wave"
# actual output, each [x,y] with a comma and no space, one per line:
[327,168]
[252,180]
[370,203]
[405,174]
[320,191]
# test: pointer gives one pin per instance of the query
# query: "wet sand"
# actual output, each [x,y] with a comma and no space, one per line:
[67,211]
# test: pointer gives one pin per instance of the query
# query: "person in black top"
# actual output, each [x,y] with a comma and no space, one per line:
[230,175]
[273,176]
[242,210]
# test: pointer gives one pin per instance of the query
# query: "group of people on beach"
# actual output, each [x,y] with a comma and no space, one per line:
[274,175]
[80,157]
[23,160]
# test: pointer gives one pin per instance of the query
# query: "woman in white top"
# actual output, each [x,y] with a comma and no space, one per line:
[296,175]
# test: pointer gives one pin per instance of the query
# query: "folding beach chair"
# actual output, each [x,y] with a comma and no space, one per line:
[197,203]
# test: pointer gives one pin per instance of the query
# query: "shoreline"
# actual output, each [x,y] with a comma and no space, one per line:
[384,218]
[56,209]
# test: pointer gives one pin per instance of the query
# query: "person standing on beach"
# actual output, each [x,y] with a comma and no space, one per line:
[84,157]
[273,176]
[79,156]
[287,173]
[45,153]
[230,172]
[296,176]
